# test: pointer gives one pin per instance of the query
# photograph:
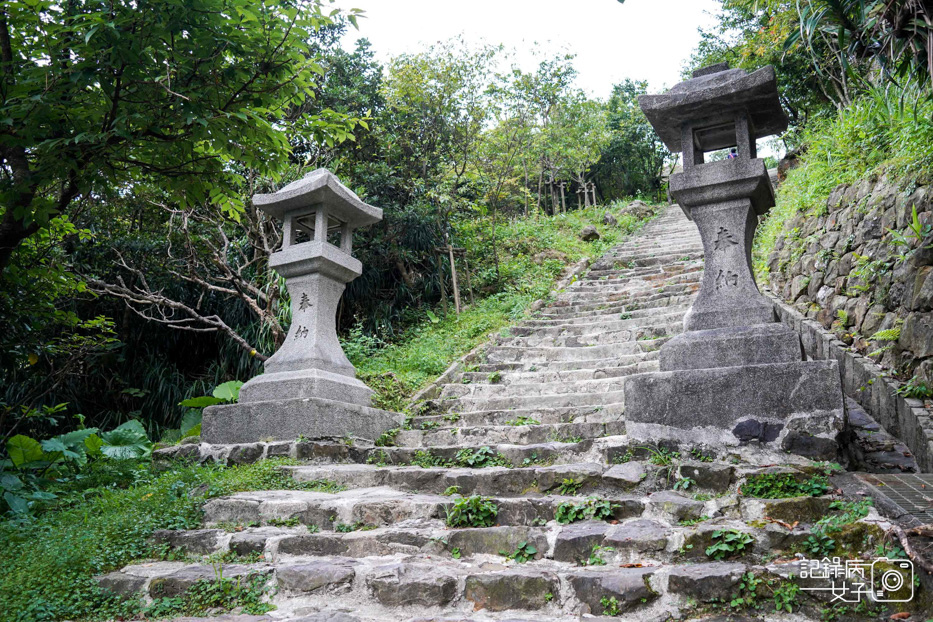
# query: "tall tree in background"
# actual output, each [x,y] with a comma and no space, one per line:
[632,162]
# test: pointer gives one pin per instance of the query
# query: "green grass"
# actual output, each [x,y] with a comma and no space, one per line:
[49,563]
[426,349]
[882,133]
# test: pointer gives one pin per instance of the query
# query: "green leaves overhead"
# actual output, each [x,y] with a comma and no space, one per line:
[179,91]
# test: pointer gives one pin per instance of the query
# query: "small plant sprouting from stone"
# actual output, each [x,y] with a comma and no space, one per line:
[728,543]
[684,483]
[570,486]
[430,425]
[591,508]
[611,606]
[555,437]
[522,420]
[699,456]
[785,597]
[283,522]
[387,439]
[915,389]
[455,553]
[451,491]
[379,458]
[628,456]
[524,552]
[494,377]
[782,485]
[661,456]
[747,595]
[819,544]
[595,559]
[452,417]
[690,522]
[481,458]
[475,511]
[548,597]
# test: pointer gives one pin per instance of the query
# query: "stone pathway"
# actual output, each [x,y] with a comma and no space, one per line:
[535,434]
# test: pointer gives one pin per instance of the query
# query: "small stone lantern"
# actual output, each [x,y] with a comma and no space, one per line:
[309,387]
[735,376]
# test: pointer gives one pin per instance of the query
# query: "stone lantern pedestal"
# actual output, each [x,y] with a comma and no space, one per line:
[735,376]
[309,387]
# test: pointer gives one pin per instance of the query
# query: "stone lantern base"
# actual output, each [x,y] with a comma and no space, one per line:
[311,418]
[784,407]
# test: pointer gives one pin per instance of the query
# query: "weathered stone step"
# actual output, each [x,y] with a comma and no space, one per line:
[565,414]
[547,376]
[612,323]
[647,298]
[596,318]
[455,590]
[648,301]
[509,434]
[621,278]
[466,404]
[534,389]
[587,478]
[652,259]
[619,360]
[611,285]
[541,354]
[600,449]
[667,328]
[382,506]
[636,291]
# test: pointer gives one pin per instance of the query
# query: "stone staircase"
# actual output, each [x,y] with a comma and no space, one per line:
[581,521]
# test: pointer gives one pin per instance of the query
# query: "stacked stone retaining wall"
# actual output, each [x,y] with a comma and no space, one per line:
[857,283]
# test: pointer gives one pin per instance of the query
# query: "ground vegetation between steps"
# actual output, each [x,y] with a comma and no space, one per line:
[514,494]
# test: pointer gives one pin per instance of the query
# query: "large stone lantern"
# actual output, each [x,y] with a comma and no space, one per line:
[309,387]
[735,376]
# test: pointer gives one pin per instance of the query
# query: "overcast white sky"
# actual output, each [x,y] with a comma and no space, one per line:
[640,39]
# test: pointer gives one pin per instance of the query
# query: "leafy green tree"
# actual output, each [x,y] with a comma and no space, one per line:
[97,95]
[632,162]
[751,34]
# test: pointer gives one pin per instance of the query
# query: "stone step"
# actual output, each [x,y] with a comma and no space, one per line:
[549,376]
[467,404]
[601,323]
[518,432]
[393,588]
[629,283]
[541,354]
[587,311]
[598,318]
[565,414]
[668,327]
[383,507]
[533,389]
[594,363]
[638,291]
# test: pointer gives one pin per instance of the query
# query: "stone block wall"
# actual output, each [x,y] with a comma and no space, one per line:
[851,269]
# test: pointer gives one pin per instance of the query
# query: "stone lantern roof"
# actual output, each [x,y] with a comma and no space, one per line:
[717,92]
[319,187]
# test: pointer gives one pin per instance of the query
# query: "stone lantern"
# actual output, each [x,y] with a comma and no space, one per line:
[735,376]
[309,387]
